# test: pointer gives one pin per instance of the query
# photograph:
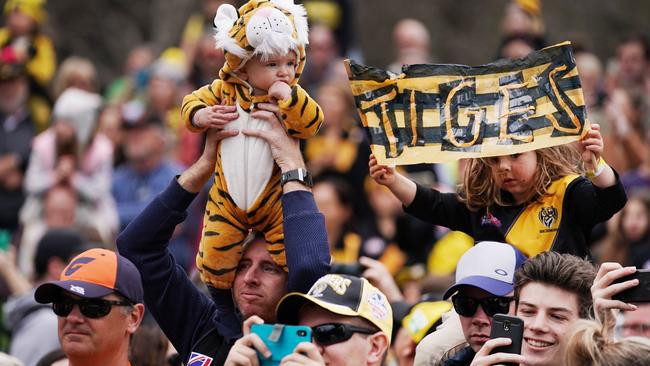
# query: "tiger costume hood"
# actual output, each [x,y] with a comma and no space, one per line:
[260,27]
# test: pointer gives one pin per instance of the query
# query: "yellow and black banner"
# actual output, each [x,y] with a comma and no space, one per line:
[438,113]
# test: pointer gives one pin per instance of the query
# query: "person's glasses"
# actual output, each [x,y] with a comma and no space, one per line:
[90,308]
[331,333]
[634,328]
[466,306]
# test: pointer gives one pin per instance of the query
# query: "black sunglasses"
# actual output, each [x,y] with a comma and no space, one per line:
[466,306]
[331,333]
[90,308]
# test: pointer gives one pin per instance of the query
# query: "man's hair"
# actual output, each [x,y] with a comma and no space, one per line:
[565,271]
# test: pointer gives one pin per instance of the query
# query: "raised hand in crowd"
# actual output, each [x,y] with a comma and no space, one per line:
[285,149]
[15,280]
[402,187]
[591,149]
[604,288]
[484,358]
[377,273]
[216,116]
[195,177]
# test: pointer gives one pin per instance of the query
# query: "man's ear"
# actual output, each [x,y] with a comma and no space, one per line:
[378,348]
[135,318]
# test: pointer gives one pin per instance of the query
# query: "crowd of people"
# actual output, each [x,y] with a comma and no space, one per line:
[387,265]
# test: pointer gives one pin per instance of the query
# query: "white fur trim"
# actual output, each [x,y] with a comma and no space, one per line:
[270,32]
[300,19]
[223,21]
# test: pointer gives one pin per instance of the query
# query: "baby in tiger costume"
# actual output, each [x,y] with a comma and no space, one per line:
[264,47]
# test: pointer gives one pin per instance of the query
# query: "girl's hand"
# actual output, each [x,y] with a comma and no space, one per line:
[216,116]
[591,147]
[382,174]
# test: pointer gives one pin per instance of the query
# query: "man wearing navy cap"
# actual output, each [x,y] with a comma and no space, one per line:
[99,303]
[484,287]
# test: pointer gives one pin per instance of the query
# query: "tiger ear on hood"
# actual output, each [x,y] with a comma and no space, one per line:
[224,20]
[299,18]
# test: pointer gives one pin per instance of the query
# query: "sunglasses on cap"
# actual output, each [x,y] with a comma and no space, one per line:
[331,333]
[466,306]
[90,308]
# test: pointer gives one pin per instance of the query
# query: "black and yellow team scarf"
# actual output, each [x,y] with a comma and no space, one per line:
[438,113]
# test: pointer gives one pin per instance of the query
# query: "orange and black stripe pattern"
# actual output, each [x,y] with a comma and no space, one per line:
[438,113]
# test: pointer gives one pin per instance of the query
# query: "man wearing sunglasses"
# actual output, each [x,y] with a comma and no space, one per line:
[552,291]
[99,303]
[484,287]
[202,329]
[351,322]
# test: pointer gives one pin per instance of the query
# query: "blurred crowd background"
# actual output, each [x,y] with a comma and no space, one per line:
[89,103]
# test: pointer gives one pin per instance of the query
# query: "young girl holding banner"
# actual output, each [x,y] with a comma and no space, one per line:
[536,200]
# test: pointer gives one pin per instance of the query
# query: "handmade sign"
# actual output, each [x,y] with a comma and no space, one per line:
[438,113]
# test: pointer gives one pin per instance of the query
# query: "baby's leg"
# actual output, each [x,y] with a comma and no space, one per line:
[266,217]
[221,243]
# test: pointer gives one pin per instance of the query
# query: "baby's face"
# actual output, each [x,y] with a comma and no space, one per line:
[262,74]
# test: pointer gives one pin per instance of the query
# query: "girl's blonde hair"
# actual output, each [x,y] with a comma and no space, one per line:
[590,343]
[479,190]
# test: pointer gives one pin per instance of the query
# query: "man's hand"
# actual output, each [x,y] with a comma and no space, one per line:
[377,273]
[603,289]
[305,354]
[243,352]
[484,358]
[216,116]
[279,91]
[285,149]
[195,177]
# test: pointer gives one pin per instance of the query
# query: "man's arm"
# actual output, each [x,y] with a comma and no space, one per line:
[181,310]
[305,235]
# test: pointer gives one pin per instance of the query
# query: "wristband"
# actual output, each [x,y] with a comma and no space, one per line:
[599,169]
[301,175]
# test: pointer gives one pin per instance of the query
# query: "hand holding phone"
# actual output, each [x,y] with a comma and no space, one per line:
[280,339]
[638,293]
[507,326]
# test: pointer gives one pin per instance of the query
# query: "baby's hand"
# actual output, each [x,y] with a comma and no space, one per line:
[382,174]
[279,91]
[216,116]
